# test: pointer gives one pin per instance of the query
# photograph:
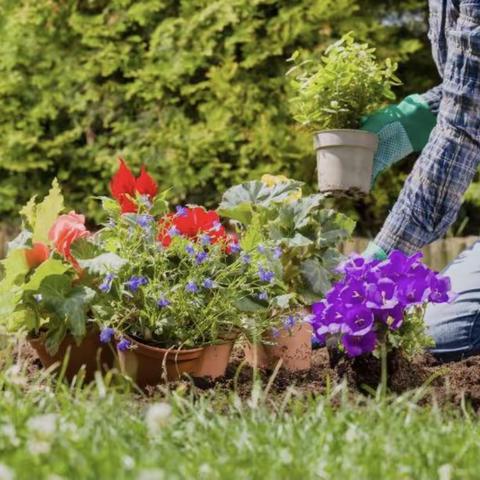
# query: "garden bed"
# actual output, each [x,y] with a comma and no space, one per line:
[448,384]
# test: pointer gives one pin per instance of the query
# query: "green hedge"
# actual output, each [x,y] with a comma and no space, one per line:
[194,88]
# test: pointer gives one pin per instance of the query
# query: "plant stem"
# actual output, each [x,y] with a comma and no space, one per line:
[384,373]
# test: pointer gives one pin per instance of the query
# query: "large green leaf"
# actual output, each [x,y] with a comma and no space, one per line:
[51,267]
[14,268]
[104,263]
[46,212]
[68,304]
[246,304]
[236,200]
[316,276]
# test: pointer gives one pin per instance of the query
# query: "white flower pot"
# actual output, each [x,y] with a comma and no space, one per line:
[345,160]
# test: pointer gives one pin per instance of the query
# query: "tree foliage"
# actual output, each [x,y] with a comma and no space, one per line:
[196,88]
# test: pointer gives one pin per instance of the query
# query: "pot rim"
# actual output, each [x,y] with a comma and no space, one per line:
[156,352]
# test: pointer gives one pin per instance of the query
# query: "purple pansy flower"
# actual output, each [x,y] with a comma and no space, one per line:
[372,293]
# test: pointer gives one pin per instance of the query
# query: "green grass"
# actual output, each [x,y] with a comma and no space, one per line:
[102,432]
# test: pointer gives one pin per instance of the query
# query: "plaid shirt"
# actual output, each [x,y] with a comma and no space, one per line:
[432,194]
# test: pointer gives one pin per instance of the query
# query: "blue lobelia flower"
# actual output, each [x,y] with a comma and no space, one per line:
[173,231]
[180,211]
[135,282]
[106,335]
[191,287]
[163,302]
[265,275]
[106,284]
[208,283]
[277,252]
[189,249]
[205,239]
[263,296]
[201,257]
[144,221]
[123,345]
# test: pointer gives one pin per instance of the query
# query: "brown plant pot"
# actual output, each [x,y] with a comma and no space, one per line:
[90,353]
[292,346]
[214,360]
[150,366]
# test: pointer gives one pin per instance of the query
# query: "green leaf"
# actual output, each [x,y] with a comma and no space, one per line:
[283,301]
[242,213]
[15,268]
[51,267]
[103,264]
[246,304]
[47,212]
[68,304]
[256,193]
[28,212]
[316,277]
[83,248]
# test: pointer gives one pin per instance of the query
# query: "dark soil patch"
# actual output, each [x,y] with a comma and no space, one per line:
[454,383]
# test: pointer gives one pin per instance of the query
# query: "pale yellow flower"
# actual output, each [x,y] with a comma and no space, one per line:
[271,180]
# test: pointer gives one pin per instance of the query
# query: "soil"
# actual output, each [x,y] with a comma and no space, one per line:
[453,383]
[456,383]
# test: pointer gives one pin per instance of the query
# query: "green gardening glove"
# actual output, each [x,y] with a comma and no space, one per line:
[374,252]
[402,129]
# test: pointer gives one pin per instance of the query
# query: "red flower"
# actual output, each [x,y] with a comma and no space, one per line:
[37,254]
[192,223]
[125,187]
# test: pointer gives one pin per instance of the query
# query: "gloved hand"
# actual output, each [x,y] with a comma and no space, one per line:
[401,129]
[374,252]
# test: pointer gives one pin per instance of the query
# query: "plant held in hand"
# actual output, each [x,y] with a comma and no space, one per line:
[339,88]
[380,303]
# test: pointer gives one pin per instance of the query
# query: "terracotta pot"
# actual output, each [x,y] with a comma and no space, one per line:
[90,353]
[292,346]
[150,366]
[214,360]
[345,160]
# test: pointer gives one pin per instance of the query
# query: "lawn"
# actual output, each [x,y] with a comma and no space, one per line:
[49,430]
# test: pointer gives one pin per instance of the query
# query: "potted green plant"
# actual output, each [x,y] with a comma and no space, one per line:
[45,293]
[184,288]
[307,238]
[330,96]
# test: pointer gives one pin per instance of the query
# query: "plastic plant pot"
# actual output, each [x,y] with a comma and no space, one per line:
[149,366]
[90,354]
[292,346]
[345,160]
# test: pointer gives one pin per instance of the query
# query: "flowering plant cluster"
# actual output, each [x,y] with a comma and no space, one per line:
[379,301]
[177,278]
[43,288]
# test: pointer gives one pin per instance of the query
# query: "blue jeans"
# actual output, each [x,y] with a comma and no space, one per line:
[455,327]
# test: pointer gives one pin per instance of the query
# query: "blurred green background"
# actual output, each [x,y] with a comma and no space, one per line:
[195,89]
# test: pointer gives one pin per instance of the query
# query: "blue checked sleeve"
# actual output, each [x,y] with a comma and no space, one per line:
[432,194]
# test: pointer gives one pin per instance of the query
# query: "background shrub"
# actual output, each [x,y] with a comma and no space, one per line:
[194,88]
